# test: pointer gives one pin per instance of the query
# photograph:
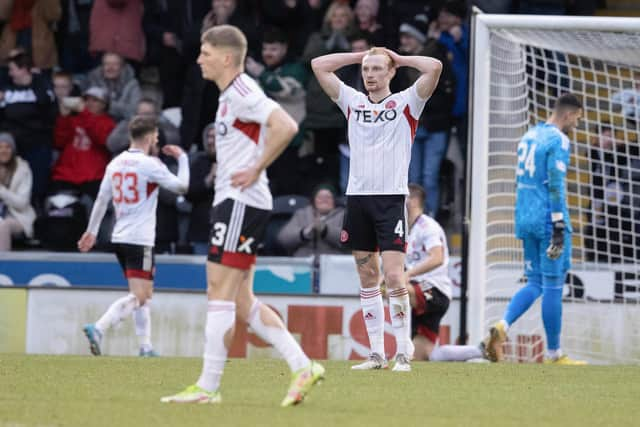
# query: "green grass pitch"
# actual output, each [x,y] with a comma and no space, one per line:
[116,391]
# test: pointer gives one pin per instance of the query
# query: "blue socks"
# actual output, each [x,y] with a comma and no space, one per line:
[552,310]
[521,301]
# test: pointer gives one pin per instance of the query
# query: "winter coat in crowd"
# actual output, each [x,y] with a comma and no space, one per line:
[292,238]
[17,197]
[124,93]
[116,26]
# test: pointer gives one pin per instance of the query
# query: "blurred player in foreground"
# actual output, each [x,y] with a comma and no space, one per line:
[381,126]
[544,226]
[131,181]
[429,286]
[252,131]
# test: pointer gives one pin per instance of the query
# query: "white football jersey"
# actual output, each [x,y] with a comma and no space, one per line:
[131,181]
[380,138]
[424,235]
[241,119]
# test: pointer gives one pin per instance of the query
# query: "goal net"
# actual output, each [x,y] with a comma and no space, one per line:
[520,65]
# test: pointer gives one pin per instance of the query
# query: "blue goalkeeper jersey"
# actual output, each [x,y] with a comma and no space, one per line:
[543,158]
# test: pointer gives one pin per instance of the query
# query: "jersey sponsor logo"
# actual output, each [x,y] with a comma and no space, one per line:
[344,236]
[221,128]
[375,116]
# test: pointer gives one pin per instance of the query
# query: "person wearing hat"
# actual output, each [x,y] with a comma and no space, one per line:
[16,213]
[315,229]
[80,133]
[432,135]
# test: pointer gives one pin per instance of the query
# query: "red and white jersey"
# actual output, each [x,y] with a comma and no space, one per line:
[380,138]
[426,234]
[241,119]
[131,180]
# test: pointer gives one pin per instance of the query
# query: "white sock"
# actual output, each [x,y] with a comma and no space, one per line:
[373,313]
[280,338]
[142,320]
[554,354]
[455,353]
[221,317]
[119,310]
[400,311]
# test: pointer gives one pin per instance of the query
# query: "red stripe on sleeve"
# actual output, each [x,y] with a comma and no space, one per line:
[413,123]
[252,130]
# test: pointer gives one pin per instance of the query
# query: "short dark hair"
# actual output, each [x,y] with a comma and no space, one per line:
[140,126]
[359,35]
[567,101]
[275,35]
[416,190]
[21,59]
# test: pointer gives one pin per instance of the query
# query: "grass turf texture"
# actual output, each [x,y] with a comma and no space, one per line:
[117,391]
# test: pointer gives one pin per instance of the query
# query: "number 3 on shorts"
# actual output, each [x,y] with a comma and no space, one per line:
[219,230]
[399,230]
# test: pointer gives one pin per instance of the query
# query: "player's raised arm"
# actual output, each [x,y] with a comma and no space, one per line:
[281,128]
[176,183]
[430,69]
[88,239]
[324,68]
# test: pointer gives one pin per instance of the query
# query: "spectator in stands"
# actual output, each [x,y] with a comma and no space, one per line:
[232,13]
[432,135]
[16,214]
[116,26]
[366,12]
[80,134]
[452,31]
[63,86]
[161,23]
[283,80]
[30,25]
[118,139]
[118,78]
[73,37]
[324,118]
[629,101]
[28,114]
[202,176]
[315,229]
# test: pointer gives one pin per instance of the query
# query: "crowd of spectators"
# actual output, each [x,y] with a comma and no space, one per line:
[75,71]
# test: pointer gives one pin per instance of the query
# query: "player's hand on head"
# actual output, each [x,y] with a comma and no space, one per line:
[245,178]
[397,59]
[86,242]
[172,150]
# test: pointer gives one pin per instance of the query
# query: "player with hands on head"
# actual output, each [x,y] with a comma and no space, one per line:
[131,182]
[381,128]
[543,224]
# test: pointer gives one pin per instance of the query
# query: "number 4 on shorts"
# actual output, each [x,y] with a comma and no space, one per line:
[399,230]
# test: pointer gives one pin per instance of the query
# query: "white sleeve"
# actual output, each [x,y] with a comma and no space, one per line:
[100,205]
[415,103]
[161,175]
[256,108]
[431,239]
[345,98]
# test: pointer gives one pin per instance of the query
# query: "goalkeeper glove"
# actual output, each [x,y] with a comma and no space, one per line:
[557,240]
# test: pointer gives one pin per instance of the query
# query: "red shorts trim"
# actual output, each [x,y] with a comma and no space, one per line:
[237,260]
[421,301]
[138,274]
[427,333]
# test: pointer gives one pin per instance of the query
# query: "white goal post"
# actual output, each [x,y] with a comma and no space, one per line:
[519,65]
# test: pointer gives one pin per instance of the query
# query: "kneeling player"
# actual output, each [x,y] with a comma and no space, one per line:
[429,286]
[131,180]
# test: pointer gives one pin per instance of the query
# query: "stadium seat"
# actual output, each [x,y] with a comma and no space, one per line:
[283,209]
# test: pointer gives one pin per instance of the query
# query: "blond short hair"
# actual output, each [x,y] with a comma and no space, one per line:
[381,51]
[227,36]
[335,6]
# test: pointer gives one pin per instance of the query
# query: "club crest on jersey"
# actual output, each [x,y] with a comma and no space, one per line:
[344,236]
[390,105]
